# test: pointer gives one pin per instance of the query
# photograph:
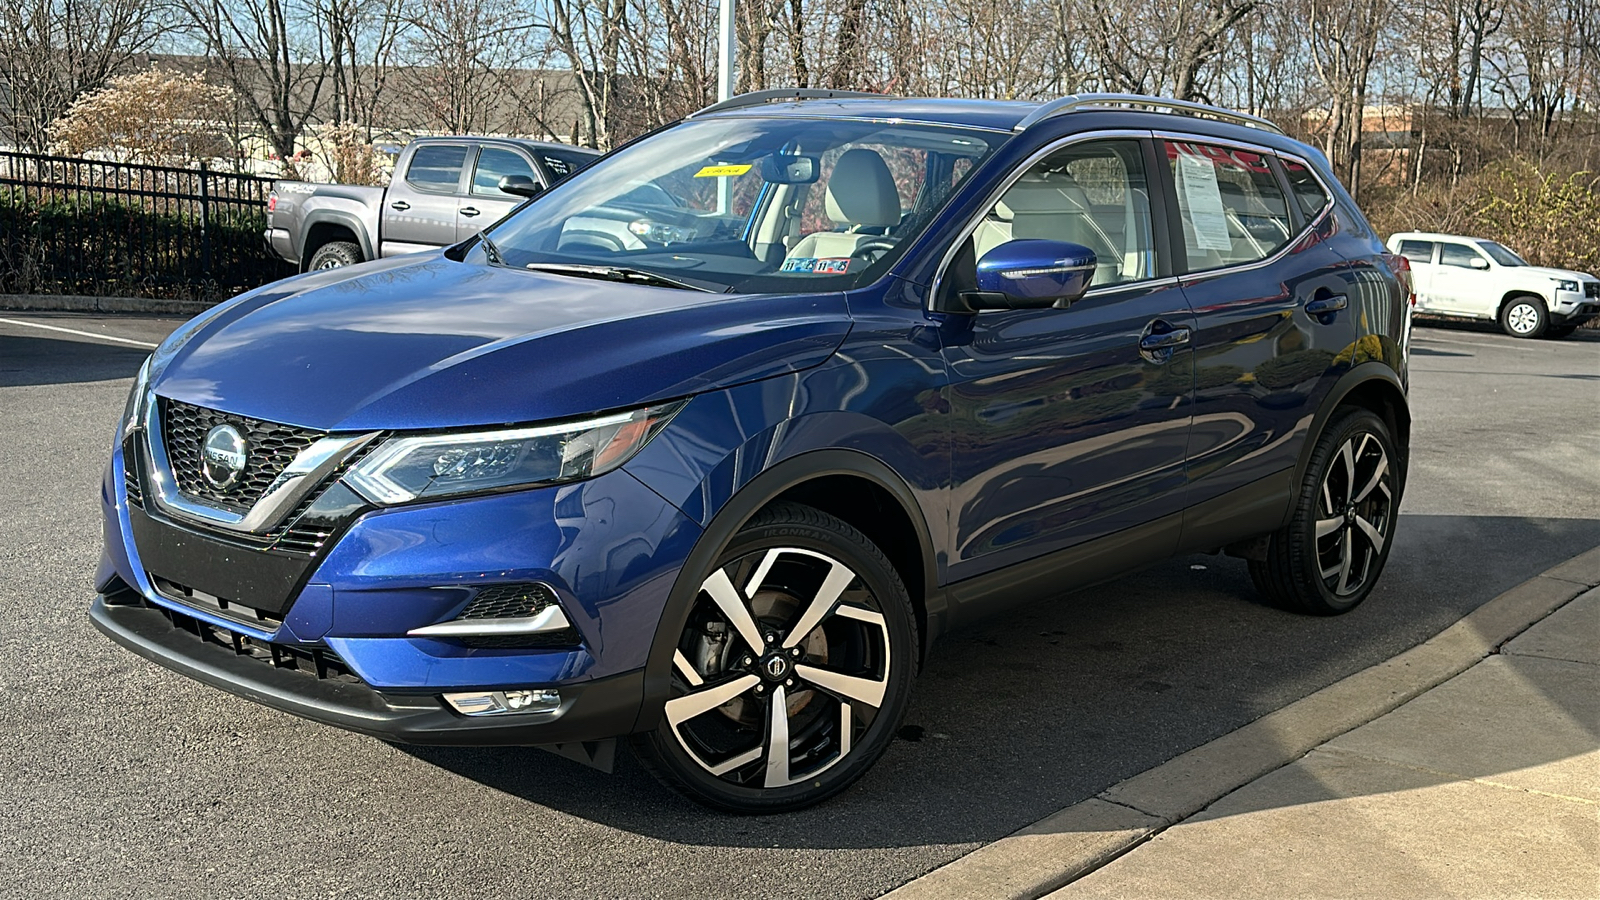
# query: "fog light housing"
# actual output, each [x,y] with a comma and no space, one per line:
[499,703]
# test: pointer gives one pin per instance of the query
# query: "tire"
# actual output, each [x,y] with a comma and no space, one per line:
[334,255]
[1329,556]
[1557,332]
[801,614]
[1524,316]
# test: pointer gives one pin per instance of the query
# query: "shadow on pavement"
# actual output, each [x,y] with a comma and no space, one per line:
[1053,703]
[28,360]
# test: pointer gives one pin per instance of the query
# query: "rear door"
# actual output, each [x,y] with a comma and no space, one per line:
[1421,255]
[419,209]
[485,203]
[1257,269]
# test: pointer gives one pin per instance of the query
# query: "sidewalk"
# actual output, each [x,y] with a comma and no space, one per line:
[1485,786]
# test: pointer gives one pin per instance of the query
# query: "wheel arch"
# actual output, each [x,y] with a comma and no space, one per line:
[853,486]
[1372,386]
[325,226]
[1513,294]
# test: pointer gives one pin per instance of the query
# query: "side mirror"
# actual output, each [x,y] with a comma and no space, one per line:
[1032,274]
[520,185]
[1478,262]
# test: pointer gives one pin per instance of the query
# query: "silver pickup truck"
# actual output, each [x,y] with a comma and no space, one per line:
[444,190]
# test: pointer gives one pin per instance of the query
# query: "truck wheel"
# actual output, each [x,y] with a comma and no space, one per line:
[1524,317]
[1326,560]
[335,254]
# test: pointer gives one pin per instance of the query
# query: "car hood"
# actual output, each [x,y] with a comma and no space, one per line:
[1547,272]
[426,342]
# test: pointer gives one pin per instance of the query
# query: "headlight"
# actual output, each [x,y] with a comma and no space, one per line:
[1565,285]
[130,411]
[426,466]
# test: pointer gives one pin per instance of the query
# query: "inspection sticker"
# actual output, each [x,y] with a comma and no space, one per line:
[722,171]
[811,265]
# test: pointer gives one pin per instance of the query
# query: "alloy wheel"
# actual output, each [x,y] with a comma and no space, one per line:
[783,666]
[1523,318]
[1352,527]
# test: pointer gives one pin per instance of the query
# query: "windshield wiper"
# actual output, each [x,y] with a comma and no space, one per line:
[490,250]
[617,273]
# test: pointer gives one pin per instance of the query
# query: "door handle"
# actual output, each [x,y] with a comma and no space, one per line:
[400,205]
[468,211]
[1325,306]
[1166,340]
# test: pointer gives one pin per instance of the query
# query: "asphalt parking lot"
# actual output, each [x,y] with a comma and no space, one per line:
[121,779]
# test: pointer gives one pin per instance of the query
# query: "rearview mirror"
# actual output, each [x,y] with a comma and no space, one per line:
[520,185]
[782,168]
[1032,274]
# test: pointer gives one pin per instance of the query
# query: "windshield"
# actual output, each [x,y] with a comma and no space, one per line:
[748,204]
[1501,254]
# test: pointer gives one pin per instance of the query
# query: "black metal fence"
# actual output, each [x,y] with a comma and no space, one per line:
[85,226]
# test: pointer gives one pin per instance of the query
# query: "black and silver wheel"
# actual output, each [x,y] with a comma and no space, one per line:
[793,670]
[1328,558]
[1524,317]
[334,255]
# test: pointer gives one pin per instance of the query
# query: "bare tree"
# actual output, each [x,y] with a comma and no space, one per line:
[51,51]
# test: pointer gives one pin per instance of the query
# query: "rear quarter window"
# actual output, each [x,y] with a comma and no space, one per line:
[1417,251]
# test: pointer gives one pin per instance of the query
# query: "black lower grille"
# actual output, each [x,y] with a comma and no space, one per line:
[270,448]
[312,660]
[130,477]
[515,601]
[232,610]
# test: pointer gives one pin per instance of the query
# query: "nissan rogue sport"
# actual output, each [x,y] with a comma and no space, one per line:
[704,446]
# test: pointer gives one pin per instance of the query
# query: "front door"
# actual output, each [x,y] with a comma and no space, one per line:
[1070,423]
[485,204]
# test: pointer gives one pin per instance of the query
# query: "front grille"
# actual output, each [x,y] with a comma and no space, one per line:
[231,610]
[1591,289]
[270,448]
[514,601]
[315,661]
[130,477]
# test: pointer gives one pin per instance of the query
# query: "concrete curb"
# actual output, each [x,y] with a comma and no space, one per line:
[72,303]
[1085,836]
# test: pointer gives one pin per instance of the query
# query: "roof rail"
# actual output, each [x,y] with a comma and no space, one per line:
[1078,102]
[757,98]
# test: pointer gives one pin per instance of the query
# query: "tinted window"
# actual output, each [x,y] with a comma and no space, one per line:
[1501,254]
[1457,255]
[437,167]
[495,163]
[562,164]
[1307,189]
[1092,194]
[1229,204]
[1417,251]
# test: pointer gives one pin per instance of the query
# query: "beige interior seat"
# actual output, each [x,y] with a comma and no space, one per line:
[861,194]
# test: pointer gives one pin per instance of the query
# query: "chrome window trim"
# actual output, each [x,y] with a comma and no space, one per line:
[1011,178]
[309,468]
[1311,222]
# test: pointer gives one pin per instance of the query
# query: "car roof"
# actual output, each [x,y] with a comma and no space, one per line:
[1005,115]
[1435,236]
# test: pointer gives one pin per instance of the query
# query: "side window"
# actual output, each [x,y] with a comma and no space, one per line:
[1417,251]
[1095,194]
[437,167]
[1229,204]
[560,165]
[1307,189]
[1457,255]
[495,163]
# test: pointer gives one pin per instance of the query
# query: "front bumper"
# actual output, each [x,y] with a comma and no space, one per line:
[590,711]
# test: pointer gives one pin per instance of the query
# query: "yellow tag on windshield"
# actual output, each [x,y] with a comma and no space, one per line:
[722,171]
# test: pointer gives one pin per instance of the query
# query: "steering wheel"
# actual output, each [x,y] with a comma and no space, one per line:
[878,246]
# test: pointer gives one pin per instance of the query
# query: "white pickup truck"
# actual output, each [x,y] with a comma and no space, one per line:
[1475,278]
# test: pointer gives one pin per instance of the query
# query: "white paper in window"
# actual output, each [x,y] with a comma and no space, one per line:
[1202,201]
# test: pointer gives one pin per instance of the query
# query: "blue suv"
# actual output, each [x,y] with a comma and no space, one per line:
[704,446]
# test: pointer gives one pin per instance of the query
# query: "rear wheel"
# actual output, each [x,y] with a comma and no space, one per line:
[334,255]
[1524,317]
[1328,558]
[793,671]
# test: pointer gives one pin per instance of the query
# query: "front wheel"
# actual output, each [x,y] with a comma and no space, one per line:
[1328,558]
[793,671]
[1524,317]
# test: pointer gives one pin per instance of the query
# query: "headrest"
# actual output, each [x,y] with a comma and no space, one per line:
[861,191]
